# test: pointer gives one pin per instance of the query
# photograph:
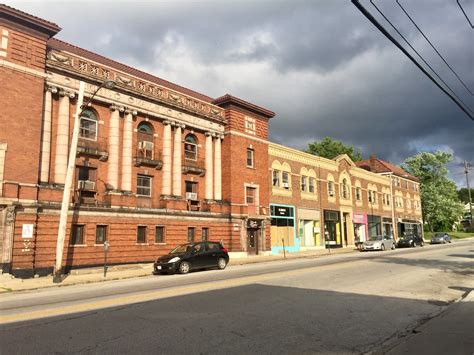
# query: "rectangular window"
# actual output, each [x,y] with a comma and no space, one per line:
[330,188]
[141,234]
[191,233]
[358,194]
[250,195]
[143,185]
[88,128]
[303,183]
[285,180]
[249,158]
[190,151]
[100,234]
[369,194]
[77,234]
[159,234]
[312,185]
[205,234]
[276,177]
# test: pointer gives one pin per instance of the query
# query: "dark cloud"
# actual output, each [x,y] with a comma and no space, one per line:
[320,65]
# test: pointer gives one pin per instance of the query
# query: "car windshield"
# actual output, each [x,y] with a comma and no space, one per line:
[439,235]
[377,237]
[181,249]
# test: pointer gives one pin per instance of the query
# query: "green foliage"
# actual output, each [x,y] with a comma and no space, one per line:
[464,195]
[329,148]
[439,199]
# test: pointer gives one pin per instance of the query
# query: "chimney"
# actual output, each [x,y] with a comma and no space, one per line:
[372,163]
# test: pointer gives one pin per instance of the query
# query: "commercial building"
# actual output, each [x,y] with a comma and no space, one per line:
[158,165]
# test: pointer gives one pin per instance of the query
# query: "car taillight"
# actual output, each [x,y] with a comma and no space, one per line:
[223,249]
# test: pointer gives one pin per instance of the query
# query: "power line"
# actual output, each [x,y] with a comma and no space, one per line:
[465,15]
[419,55]
[432,46]
[367,14]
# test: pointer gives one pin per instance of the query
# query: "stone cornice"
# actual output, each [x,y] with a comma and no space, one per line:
[86,68]
[279,151]
[367,175]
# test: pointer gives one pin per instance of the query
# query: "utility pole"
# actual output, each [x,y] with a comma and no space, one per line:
[466,171]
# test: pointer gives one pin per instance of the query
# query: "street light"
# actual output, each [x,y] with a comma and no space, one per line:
[109,84]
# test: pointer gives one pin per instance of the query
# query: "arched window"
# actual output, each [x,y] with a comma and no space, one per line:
[344,192]
[190,147]
[145,140]
[88,125]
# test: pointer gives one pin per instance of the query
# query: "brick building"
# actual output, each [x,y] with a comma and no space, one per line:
[317,202]
[159,165]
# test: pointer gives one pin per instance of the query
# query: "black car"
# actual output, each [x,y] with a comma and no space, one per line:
[192,256]
[410,241]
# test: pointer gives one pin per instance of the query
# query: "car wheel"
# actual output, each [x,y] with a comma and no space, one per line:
[422,243]
[413,244]
[393,246]
[184,267]
[221,263]
[382,247]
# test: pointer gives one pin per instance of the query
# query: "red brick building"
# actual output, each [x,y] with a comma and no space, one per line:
[157,164]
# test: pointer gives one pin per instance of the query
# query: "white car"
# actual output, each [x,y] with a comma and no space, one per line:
[378,242]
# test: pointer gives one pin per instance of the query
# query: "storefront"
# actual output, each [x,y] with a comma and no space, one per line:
[409,227]
[255,235]
[283,229]
[332,229]
[374,224]
[360,227]
[309,229]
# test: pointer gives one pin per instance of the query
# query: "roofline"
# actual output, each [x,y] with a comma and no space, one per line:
[229,99]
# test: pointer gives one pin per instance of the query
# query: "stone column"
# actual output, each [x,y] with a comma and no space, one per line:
[208,162]
[46,134]
[112,171]
[62,138]
[177,160]
[166,187]
[127,151]
[217,169]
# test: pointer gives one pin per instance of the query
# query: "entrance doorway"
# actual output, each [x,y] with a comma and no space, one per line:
[252,241]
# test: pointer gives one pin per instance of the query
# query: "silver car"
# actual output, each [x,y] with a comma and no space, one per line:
[379,242]
[441,238]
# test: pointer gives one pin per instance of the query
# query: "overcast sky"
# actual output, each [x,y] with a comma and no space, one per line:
[319,64]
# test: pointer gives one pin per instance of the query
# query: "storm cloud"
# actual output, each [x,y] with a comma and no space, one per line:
[320,65]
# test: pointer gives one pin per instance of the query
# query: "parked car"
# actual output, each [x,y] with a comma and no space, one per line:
[192,256]
[410,241]
[440,238]
[378,242]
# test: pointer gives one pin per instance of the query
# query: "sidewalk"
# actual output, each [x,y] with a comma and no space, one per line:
[449,333]
[90,275]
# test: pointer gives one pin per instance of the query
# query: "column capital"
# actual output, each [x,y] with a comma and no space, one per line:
[51,88]
[129,111]
[67,93]
[167,122]
[209,134]
[113,107]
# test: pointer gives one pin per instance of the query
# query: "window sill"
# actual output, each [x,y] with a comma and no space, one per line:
[78,245]
[141,244]
[160,243]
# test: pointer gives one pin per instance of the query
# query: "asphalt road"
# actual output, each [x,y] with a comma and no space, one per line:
[346,303]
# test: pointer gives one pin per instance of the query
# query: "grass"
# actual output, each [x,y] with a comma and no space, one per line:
[454,235]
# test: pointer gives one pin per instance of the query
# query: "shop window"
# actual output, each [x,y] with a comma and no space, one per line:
[141,234]
[250,195]
[159,234]
[143,185]
[77,234]
[276,177]
[312,185]
[191,234]
[285,180]
[88,125]
[205,234]
[100,234]
[145,135]
[303,183]
[190,147]
[250,161]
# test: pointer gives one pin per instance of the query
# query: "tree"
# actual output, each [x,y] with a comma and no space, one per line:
[464,195]
[329,148]
[439,199]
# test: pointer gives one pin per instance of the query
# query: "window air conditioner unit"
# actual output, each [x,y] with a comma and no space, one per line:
[145,145]
[191,196]
[86,185]
[285,185]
